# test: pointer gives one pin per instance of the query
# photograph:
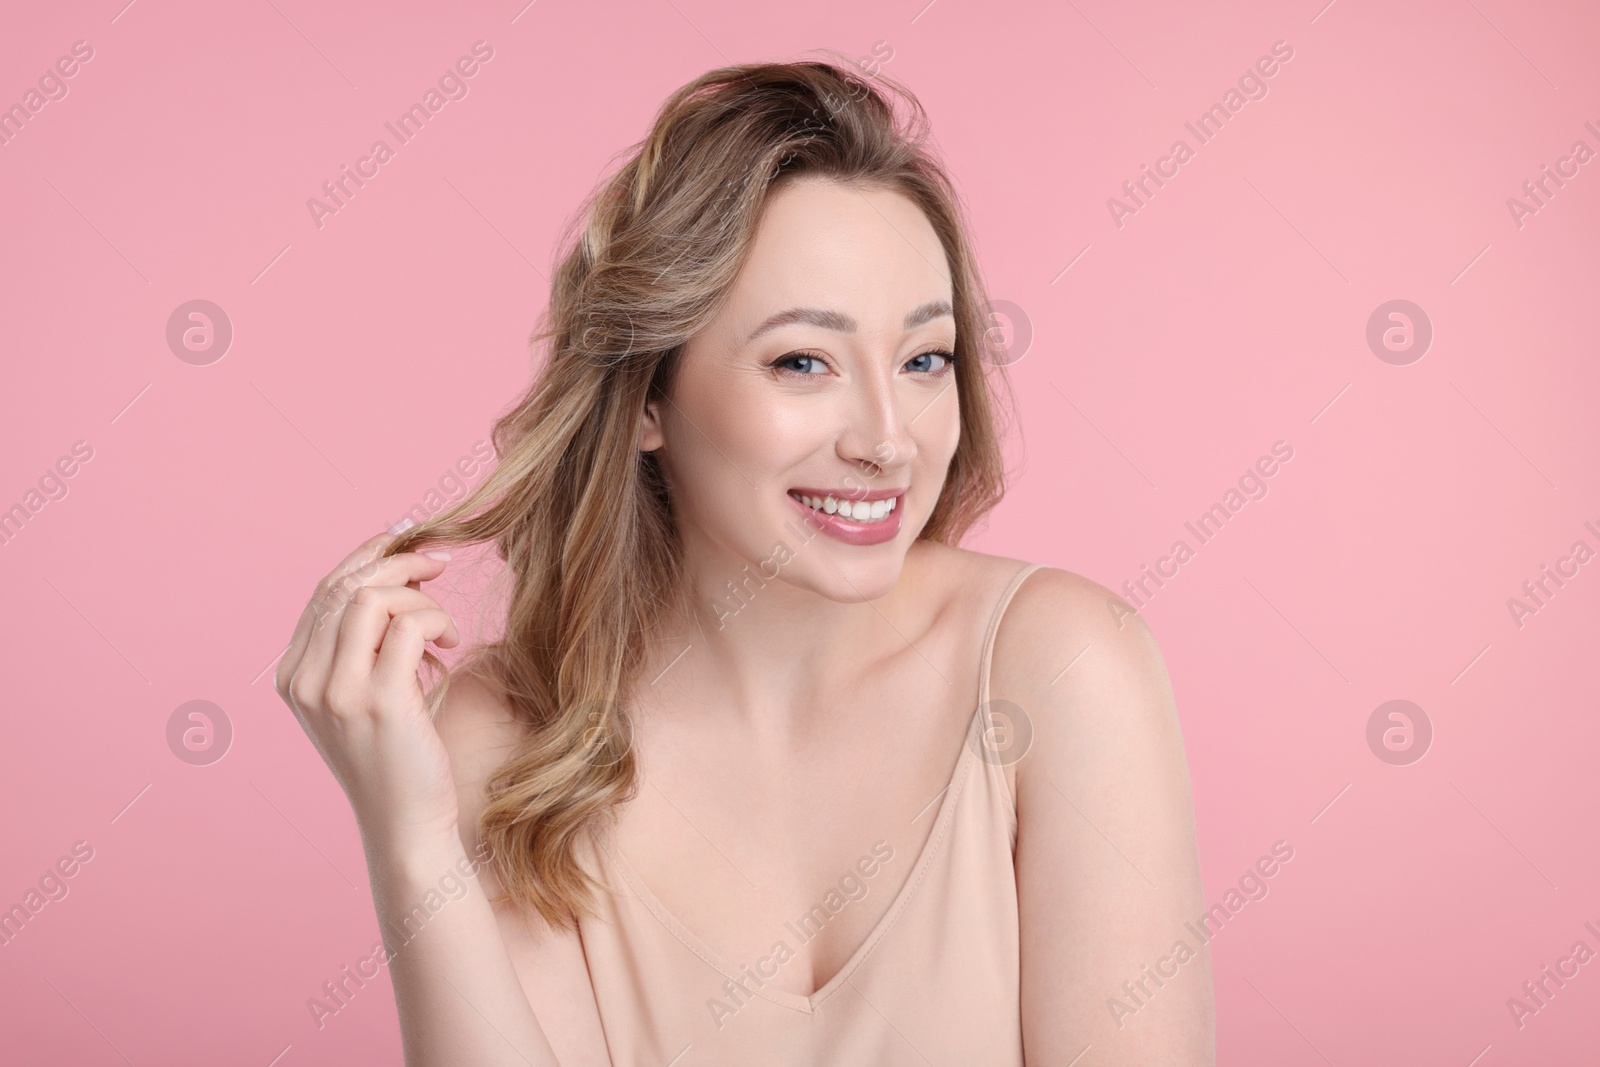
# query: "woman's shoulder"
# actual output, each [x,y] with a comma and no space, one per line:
[1077,657]
[475,711]
[956,575]
[479,732]
[1047,593]
[1052,620]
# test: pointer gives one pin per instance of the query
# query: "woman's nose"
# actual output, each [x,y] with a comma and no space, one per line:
[876,436]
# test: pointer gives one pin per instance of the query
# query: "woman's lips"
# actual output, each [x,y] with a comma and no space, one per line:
[850,531]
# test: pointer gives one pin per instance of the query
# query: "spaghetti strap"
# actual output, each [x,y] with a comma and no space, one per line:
[994,628]
[993,720]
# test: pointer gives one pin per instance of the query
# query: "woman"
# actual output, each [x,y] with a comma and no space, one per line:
[764,769]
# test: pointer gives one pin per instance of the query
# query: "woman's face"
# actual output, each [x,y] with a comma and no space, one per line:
[824,375]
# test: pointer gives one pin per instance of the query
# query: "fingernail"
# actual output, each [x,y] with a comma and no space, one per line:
[436,554]
[402,526]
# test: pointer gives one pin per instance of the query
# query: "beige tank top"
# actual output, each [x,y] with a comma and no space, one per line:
[935,982]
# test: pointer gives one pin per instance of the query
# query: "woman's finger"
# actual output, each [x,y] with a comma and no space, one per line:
[316,609]
[317,656]
[395,671]
[366,619]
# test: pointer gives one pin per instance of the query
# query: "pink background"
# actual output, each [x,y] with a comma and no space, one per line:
[1228,313]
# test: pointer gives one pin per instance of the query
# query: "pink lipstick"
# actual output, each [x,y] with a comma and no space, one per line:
[848,529]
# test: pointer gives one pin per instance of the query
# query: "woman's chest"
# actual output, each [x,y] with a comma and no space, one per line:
[912,939]
[789,865]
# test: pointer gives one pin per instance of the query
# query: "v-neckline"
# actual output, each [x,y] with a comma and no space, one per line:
[809,1004]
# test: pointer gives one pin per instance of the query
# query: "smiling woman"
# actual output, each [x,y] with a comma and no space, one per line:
[767,323]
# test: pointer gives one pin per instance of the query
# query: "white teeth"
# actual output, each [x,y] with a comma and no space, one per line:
[856,511]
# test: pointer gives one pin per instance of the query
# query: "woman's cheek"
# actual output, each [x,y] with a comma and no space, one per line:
[943,429]
[775,433]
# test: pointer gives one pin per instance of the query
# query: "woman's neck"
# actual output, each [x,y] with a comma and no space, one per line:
[750,640]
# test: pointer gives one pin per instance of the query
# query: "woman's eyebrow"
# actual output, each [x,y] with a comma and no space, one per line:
[838,320]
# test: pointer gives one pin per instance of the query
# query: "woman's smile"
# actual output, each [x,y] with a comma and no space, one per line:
[856,517]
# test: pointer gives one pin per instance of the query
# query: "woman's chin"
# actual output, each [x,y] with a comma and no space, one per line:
[852,581]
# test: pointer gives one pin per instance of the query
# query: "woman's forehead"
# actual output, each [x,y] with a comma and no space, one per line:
[866,257]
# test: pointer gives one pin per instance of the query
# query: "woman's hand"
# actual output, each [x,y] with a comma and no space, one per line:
[350,677]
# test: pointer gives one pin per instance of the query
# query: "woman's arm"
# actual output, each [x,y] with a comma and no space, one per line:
[479,732]
[458,996]
[350,677]
[452,967]
[1107,870]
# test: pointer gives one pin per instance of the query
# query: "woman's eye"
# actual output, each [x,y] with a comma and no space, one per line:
[800,363]
[922,362]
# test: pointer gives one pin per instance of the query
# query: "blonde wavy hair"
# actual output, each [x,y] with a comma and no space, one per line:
[580,516]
